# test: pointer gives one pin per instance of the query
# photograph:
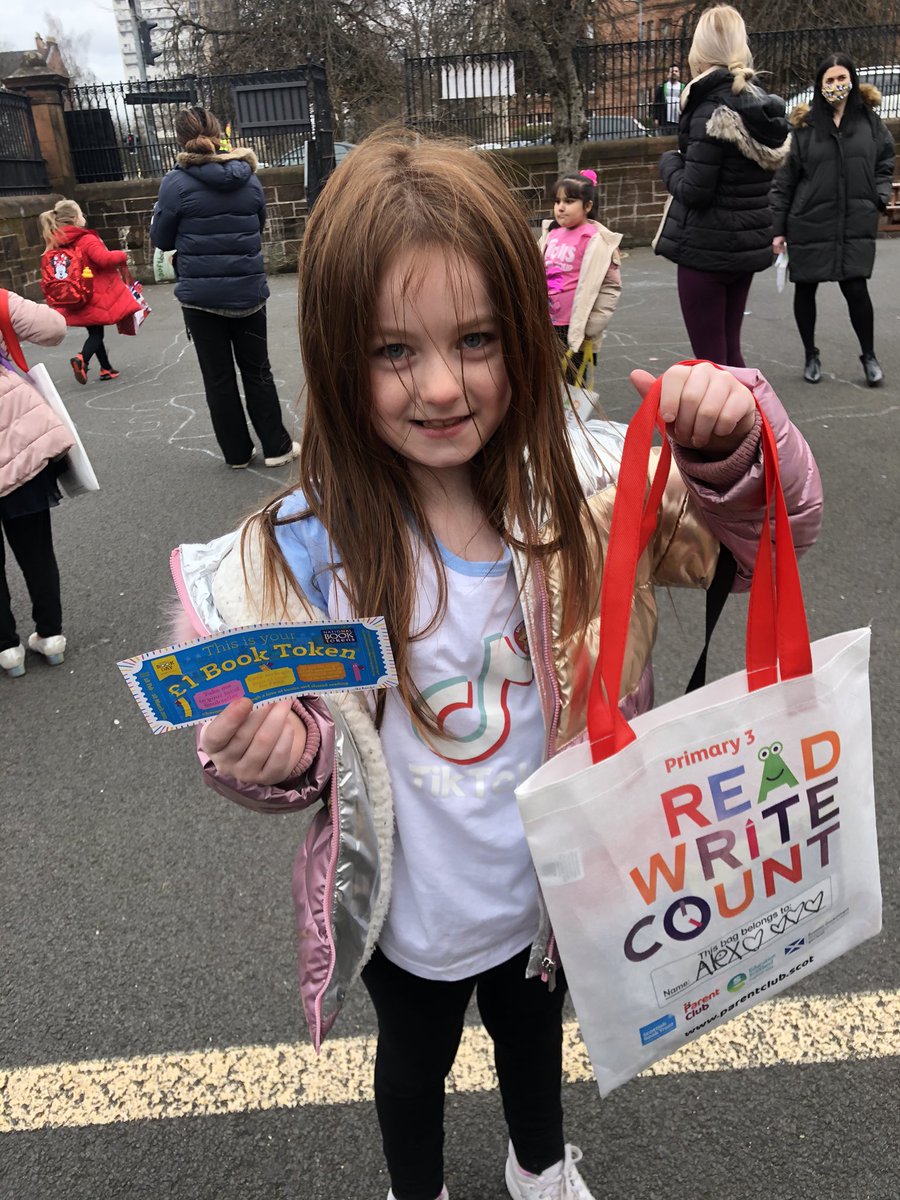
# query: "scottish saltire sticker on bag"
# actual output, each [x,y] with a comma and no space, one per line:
[190,683]
[726,854]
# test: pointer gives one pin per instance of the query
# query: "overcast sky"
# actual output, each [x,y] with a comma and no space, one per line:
[93,18]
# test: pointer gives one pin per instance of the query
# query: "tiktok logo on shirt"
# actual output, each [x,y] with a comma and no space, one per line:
[477,712]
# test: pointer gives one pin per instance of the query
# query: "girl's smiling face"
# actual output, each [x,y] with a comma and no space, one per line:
[570,213]
[439,385]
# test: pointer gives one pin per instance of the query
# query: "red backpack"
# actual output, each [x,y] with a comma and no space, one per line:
[66,279]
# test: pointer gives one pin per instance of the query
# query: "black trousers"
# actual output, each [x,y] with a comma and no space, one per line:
[859,305]
[220,342]
[31,541]
[420,1023]
[94,344]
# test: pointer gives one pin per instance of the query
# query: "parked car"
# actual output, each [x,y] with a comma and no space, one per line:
[610,129]
[296,156]
[600,129]
[886,79]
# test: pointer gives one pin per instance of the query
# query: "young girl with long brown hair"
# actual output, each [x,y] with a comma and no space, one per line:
[439,488]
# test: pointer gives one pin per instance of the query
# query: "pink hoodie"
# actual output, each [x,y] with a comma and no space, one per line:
[31,434]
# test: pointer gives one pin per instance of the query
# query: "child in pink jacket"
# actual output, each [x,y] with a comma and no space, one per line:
[33,441]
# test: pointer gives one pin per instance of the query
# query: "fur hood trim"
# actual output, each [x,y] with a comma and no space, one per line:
[871,98]
[726,125]
[239,154]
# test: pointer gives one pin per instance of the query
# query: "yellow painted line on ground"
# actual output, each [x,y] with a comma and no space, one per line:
[205,1083]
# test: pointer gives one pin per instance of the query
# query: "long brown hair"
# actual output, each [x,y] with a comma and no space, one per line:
[396,192]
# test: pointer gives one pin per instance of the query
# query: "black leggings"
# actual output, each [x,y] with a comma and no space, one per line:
[859,305]
[420,1023]
[712,305]
[96,345]
[31,541]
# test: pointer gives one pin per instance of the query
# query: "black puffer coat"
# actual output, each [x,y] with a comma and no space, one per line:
[827,198]
[719,178]
[212,210]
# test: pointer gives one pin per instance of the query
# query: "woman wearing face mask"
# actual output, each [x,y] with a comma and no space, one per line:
[827,200]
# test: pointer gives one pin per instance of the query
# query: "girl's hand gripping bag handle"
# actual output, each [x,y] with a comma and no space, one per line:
[777,634]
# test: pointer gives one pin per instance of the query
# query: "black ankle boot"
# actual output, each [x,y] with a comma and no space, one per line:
[812,372]
[874,373]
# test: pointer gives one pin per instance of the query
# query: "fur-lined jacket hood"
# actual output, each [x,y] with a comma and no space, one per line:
[223,171]
[870,94]
[752,121]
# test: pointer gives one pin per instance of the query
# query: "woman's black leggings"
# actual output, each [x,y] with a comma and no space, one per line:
[859,305]
[95,344]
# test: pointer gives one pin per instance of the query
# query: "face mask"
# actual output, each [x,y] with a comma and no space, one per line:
[836,92]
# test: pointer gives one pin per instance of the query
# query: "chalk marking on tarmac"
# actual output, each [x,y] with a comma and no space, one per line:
[812,1030]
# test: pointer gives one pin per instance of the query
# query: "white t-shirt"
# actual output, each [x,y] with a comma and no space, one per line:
[464,894]
[673,101]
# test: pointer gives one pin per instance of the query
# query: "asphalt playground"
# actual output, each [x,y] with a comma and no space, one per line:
[151,1042]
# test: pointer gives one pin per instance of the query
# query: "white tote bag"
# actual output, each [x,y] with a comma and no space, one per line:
[77,475]
[721,847]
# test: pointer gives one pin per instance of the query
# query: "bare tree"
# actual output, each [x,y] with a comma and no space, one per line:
[355,42]
[551,31]
[73,47]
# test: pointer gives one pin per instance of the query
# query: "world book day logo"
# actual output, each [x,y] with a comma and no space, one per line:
[738,835]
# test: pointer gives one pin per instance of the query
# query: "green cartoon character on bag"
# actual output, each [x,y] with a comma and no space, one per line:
[776,772]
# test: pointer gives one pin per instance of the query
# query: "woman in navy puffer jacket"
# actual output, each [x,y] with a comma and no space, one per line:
[211,210]
[732,137]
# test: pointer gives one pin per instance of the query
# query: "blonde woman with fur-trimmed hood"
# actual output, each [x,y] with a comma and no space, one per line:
[828,200]
[211,210]
[732,137]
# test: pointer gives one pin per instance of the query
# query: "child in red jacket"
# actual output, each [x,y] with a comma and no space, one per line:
[82,279]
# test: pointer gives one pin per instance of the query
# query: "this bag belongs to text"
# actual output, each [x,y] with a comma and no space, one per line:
[66,279]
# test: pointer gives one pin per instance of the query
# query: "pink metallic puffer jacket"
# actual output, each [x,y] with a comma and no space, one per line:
[342,874]
[31,434]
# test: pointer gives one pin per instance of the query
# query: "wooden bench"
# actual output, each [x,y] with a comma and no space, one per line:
[890,219]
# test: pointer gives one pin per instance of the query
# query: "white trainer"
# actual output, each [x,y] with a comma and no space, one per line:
[282,460]
[559,1182]
[445,1195]
[243,466]
[52,648]
[13,661]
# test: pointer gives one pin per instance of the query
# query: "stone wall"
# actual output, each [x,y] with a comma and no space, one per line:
[632,196]
[21,244]
[120,212]
[631,202]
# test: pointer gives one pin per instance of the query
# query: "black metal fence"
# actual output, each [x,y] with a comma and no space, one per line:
[499,100]
[127,130]
[23,171]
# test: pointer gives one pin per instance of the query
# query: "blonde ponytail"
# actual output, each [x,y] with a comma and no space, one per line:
[720,40]
[63,212]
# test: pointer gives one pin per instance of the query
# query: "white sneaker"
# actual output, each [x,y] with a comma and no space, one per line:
[445,1195]
[52,648]
[282,460]
[13,661]
[242,466]
[559,1182]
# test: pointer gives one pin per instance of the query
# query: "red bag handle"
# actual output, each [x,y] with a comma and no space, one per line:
[10,337]
[777,633]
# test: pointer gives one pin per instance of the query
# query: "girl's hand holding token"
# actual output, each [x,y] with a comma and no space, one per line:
[255,745]
[704,408]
